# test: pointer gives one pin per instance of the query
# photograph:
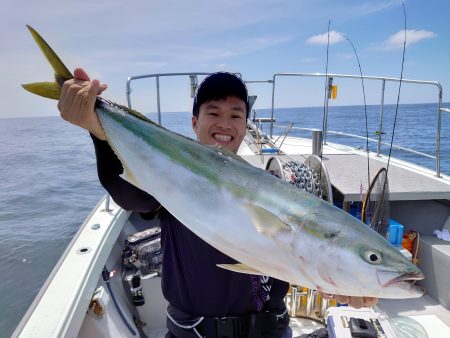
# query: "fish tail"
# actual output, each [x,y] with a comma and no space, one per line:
[51,90]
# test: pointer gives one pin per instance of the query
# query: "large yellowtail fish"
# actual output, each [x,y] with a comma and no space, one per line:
[268,225]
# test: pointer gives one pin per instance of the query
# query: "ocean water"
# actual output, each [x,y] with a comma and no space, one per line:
[48,182]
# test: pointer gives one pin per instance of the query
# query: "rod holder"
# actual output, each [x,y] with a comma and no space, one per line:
[294,300]
[310,301]
[324,306]
[317,138]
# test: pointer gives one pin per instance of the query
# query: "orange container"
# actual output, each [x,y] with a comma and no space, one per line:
[408,240]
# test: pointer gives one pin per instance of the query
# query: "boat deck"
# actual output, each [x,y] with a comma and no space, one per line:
[347,168]
[424,305]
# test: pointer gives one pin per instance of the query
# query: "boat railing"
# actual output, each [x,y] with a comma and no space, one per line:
[193,83]
[157,76]
[340,133]
[328,90]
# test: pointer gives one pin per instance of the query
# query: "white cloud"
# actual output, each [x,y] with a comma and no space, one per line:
[145,19]
[372,7]
[343,11]
[322,39]
[413,36]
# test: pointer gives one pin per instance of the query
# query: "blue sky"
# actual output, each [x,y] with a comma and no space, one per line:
[115,39]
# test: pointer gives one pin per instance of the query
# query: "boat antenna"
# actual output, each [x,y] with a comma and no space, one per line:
[399,89]
[365,107]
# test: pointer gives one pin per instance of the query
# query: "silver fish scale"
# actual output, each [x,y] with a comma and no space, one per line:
[303,177]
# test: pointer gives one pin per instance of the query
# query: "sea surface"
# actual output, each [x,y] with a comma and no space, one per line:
[48,182]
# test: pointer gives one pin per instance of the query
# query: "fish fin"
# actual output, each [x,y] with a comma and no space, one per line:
[137,114]
[133,112]
[50,90]
[241,268]
[126,176]
[265,221]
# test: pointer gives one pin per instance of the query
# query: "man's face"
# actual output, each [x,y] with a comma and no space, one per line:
[221,122]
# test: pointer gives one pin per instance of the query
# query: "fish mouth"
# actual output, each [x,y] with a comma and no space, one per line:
[408,278]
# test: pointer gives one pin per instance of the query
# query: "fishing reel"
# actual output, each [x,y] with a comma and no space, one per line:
[310,176]
[136,291]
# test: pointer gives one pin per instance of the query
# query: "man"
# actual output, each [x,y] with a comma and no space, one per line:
[204,300]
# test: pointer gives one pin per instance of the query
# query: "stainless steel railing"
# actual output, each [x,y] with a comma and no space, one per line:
[157,76]
[329,79]
[340,133]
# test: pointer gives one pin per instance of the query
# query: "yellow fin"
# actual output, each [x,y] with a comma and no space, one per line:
[61,71]
[241,268]
[266,222]
[133,112]
[51,90]
[62,74]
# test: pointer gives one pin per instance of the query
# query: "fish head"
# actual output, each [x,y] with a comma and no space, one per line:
[395,274]
[347,257]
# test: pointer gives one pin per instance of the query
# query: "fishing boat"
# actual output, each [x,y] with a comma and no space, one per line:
[107,282]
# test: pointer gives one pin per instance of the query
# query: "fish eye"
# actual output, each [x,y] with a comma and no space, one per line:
[373,257]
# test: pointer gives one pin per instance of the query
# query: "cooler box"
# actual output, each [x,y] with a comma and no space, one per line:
[395,232]
[338,319]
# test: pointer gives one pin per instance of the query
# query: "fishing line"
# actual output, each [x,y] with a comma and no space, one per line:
[365,109]
[399,90]
[325,101]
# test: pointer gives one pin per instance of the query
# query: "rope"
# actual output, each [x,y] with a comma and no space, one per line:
[303,177]
[416,250]
[187,327]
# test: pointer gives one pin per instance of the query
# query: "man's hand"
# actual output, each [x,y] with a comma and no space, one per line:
[77,101]
[356,302]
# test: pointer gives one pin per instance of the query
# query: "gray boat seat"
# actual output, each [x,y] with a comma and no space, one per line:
[434,261]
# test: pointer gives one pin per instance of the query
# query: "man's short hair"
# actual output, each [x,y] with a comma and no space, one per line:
[218,86]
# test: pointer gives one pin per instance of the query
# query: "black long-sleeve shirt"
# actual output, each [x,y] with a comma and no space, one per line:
[191,280]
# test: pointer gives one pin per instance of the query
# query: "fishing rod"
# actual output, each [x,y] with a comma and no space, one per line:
[325,99]
[365,103]
[365,107]
[399,89]
[364,98]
